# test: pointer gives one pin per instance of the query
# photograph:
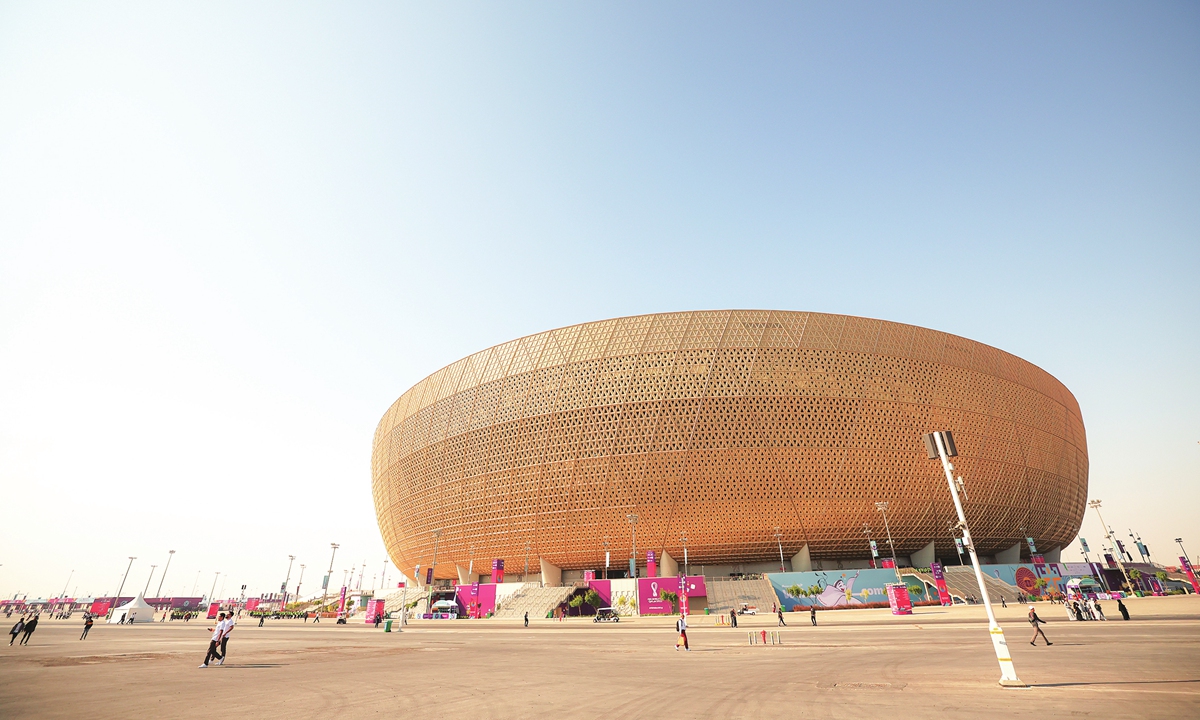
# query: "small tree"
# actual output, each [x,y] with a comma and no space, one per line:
[591,597]
[670,597]
[575,602]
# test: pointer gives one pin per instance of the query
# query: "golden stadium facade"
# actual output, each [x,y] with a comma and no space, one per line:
[723,426]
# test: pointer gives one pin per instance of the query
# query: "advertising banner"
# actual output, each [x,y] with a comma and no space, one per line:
[589,574]
[342,601]
[889,564]
[213,609]
[650,591]
[874,549]
[898,599]
[939,577]
[429,575]
[374,610]
[252,604]
[100,607]
[498,570]
[683,596]
[958,545]
[1038,559]
[1083,545]
[651,564]
[1191,575]
[477,599]
[1108,558]
[1032,547]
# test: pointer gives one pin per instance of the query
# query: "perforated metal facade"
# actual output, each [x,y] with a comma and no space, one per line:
[722,425]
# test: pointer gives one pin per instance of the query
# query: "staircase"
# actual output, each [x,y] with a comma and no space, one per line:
[726,595]
[537,601]
[961,582]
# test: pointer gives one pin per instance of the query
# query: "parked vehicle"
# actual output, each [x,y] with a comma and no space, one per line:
[606,614]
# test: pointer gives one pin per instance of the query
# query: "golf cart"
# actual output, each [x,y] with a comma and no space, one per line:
[606,614]
[746,609]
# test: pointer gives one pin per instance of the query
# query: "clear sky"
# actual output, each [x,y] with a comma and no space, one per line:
[232,234]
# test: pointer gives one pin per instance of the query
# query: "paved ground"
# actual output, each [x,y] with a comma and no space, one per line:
[855,662]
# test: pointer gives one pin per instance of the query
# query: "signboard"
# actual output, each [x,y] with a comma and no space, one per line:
[683,596]
[1083,544]
[213,609]
[325,583]
[1108,558]
[898,599]
[939,577]
[1191,575]
[874,549]
[1038,559]
[374,611]
[889,564]
[342,601]
[100,607]
[589,574]
[252,604]
[651,564]
[498,570]
[429,575]
[958,544]
[650,592]
[1032,547]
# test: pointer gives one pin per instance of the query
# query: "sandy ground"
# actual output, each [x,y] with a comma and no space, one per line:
[938,661]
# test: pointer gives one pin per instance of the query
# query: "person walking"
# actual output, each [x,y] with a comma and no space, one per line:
[229,623]
[1124,611]
[733,618]
[1099,610]
[29,628]
[1002,603]
[213,642]
[16,629]
[526,618]
[779,612]
[812,614]
[1036,622]
[87,625]
[681,628]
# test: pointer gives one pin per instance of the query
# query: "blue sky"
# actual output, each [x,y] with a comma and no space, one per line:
[230,236]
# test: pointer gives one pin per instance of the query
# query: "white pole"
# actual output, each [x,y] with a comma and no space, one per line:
[1008,673]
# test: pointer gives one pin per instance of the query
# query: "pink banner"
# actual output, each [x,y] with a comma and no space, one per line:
[213,609]
[939,578]
[899,600]
[498,570]
[651,564]
[252,604]
[650,592]
[1187,569]
[603,588]
[477,599]
[374,611]
[342,601]
[100,607]
[889,564]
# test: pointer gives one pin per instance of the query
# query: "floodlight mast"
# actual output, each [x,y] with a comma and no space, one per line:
[1008,673]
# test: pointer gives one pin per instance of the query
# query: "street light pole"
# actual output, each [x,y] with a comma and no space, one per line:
[65,586]
[685,555]
[328,575]
[882,507]
[437,534]
[158,592]
[779,542]
[213,589]
[286,580]
[606,557]
[147,588]
[300,581]
[935,445]
[1095,505]
[633,552]
[1185,555]
[117,599]
[525,577]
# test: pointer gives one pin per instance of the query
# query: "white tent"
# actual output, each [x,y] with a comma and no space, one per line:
[136,610]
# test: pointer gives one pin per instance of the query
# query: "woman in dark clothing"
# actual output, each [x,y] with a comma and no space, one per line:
[1121,607]
[87,625]
[733,618]
[29,628]
[16,629]
[1078,612]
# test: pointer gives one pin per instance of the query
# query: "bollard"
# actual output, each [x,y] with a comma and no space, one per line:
[764,637]
[750,636]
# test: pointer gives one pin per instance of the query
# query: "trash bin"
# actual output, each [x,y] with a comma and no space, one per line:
[705,611]
[387,626]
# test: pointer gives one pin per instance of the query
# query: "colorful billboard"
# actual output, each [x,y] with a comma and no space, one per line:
[650,591]
[939,578]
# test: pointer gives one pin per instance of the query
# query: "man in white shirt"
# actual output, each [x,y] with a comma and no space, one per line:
[217,632]
[681,628]
[229,623]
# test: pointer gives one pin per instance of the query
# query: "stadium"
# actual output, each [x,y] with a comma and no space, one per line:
[744,440]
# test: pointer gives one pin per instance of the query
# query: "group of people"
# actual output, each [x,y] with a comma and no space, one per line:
[1089,609]
[218,645]
[24,625]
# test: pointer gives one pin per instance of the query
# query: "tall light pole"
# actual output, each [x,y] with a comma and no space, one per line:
[286,580]
[300,581]
[683,538]
[941,445]
[117,599]
[1185,555]
[779,542]
[1095,505]
[471,565]
[882,507]
[528,547]
[633,551]
[65,586]
[196,582]
[158,592]
[383,575]
[325,583]
[213,589]
[147,588]
[607,556]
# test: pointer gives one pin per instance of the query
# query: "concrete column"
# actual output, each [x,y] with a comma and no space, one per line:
[1011,556]
[1053,556]
[463,577]
[551,575]
[801,561]
[667,567]
[923,557]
